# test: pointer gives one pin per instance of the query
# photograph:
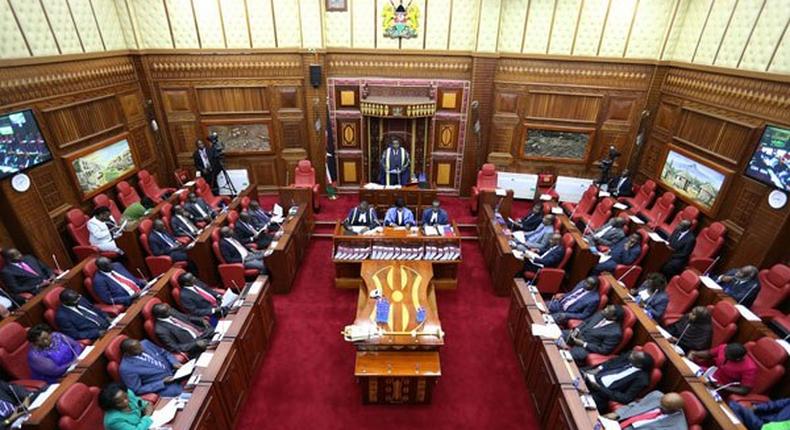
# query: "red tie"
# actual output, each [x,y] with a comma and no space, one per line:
[649,415]
[24,266]
[209,298]
[184,326]
[125,281]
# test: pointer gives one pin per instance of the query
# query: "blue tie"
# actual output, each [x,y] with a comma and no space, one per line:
[6,408]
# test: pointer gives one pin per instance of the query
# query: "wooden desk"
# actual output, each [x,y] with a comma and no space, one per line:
[203,411]
[347,272]
[502,264]
[286,257]
[583,259]
[292,196]
[658,254]
[397,377]
[416,198]
[490,198]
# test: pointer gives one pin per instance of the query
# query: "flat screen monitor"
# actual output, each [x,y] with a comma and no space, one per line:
[21,144]
[770,163]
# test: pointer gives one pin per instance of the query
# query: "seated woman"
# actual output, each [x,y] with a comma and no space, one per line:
[51,353]
[14,401]
[123,410]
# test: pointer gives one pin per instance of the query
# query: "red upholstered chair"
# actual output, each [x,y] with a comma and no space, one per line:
[690,213]
[150,188]
[13,355]
[114,355]
[77,226]
[245,202]
[182,176]
[203,190]
[627,325]
[654,351]
[603,292]
[126,194]
[682,291]
[51,303]
[774,289]
[724,318]
[660,211]
[229,272]
[601,214]
[157,264]
[709,243]
[486,181]
[546,182]
[103,200]
[79,408]
[304,177]
[629,274]
[87,280]
[694,410]
[233,216]
[642,199]
[549,280]
[148,326]
[585,205]
[166,212]
[770,359]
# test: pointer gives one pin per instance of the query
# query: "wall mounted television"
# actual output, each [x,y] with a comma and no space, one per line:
[770,163]
[21,144]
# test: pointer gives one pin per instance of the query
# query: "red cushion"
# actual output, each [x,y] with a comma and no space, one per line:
[79,408]
[13,350]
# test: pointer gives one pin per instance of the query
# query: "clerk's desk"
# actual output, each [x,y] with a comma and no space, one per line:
[416,198]
[497,253]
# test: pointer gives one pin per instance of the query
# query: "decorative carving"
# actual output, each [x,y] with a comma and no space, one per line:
[608,74]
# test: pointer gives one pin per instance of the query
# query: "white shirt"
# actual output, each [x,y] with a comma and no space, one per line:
[608,380]
[191,227]
[99,233]
[434,216]
[603,231]
[200,209]
[112,275]
[204,156]
[239,247]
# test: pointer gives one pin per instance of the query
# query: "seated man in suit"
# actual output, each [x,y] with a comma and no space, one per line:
[259,216]
[190,335]
[693,331]
[601,333]
[622,185]
[655,411]
[162,242]
[620,379]
[733,365]
[578,304]
[200,300]
[248,234]
[435,215]
[530,221]
[183,224]
[626,251]
[741,284]
[761,415]
[146,368]
[200,210]
[114,284]
[538,240]
[103,231]
[682,242]
[78,319]
[361,216]
[651,295]
[14,403]
[399,215]
[234,251]
[609,234]
[24,274]
[551,257]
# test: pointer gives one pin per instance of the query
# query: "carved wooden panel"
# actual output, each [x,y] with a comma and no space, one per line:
[503,127]
[449,99]
[183,136]
[50,186]
[347,97]
[293,132]
[142,147]
[132,107]
[621,110]
[350,169]
[566,107]
[288,98]
[264,171]
[177,101]
[348,133]
[445,135]
[506,102]
[231,100]
[76,122]
[667,117]
[714,134]
[444,173]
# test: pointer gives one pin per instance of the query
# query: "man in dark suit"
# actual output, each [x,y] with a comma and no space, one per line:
[200,300]
[622,186]
[530,221]
[652,295]
[620,379]
[234,251]
[741,284]
[259,216]
[362,216]
[551,257]
[599,334]
[182,223]
[577,304]
[14,402]
[205,159]
[190,335]
[201,212]
[247,234]
[78,318]
[114,284]
[162,242]
[435,215]
[609,233]
[146,368]
[24,274]
[626,251]
[654,411]
[682,242]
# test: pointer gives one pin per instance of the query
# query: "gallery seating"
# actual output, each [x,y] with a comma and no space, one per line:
[724,320]
[77,227]
[150,188]
[642,199]
[709,243]
[661,210]
[127,195]
[682,291]
[104,200]
[774,290]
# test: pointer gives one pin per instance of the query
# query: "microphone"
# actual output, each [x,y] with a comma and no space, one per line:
[233,281]
[57,266]
[142,276]
[748,292]
[620,279]
[10,297]
[570,217]
[682,333]
[533,280]
[710,266]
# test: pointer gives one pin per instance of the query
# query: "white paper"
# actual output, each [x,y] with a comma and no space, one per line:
[546,197]
[784,345]
[431,230]
[117,319]
[636,220]
[85,352]
[189,184]
[643,294]
[519,236]
[655,237]
[663,332]
[41,398]
[546,331]
[746,313]
[357,228]
[501,192]
[608,424]
[185,370]
[62,274]
[277,219]
[603,258]
[730,414]
[531,255]
[619,206]
[277,210]
[695,369]
[204,359]
[604,194]
[541,307]
[255,288]
[557,210]
[229,297]
[222,328]
[710,283]
[162,416]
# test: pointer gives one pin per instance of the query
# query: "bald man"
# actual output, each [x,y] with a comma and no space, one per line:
[655,411]
[741,284]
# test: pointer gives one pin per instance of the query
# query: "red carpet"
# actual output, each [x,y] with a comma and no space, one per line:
[306,380]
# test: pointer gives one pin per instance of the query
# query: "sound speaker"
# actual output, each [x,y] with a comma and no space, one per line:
[315,75]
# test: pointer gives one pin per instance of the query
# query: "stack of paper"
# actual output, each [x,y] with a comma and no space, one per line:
[204,359]
[546,331]
[655,237]
[620,206]
[43,396]
[557,210]
[636,220]
[710,283]
[164,415]
[185,370]
[746,313]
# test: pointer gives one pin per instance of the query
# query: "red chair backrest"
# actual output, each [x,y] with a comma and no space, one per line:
[602,213]
[203,190]
[104,200]
[77,226]
[690,213]
[79,408]
[568,242]
[646,193]
[52,302]
[724,319]
[217,252]
[13,350]
[145,228]
[304,174]
[770,359]
[682,292]
[663,207]
[126,194]
[774,287]
[709,241]
[148,308]
[233,216]
[245,202]
[627,325]
[175,287]
[659,359]
[486,177]
[693,409]
[589,198]
[114,355]
[148,184]
[166,212]
[603,292]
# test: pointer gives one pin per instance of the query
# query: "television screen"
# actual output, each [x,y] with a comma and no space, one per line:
[770,163]
[21,144]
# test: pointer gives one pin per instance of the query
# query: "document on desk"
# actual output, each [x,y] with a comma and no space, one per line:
[695,369]
[546,197]
[783,343]
[607,424]
[636,220]
[710,283]
[663,332]
[41,398]
[520,237]
[552,331]
[164,415]
[604,194]
[603,258]
[185,370]
[277,210]
[655,237]
[204,359]
[222,328]
[620,206]
[746,313]
[255,288]
[229,297]
[85,352]
[430,230]
[117,319]
[557,210]
[501,192]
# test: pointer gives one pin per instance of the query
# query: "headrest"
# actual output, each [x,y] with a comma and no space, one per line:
[668,197]
[488,169]
[628,317]
[567,240]
[167,209]
[76,400]
[124,187]
[654,351]
[724,312]
[174,278]
[52,298]
[143,175]
[90,268]
[714,231]
[101,200]
[779,275]
[12,336]
[149,305]
[76,216]
[690,212]
[113,351]
[304,166]
[767,352]
[649,186]
[688,280]
[146,226]
[693,409]
[607,203]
